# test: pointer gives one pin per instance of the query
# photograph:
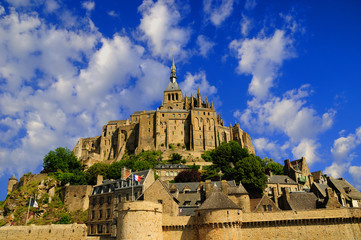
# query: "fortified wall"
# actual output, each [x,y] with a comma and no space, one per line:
[343,223]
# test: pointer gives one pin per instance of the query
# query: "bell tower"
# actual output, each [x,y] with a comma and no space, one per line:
[173,97]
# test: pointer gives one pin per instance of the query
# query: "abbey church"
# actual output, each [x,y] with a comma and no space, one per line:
[190,123]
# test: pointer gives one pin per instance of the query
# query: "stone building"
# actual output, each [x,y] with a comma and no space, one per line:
[298,170]
[107,196]
[188,122]
[167,172]
[347,194]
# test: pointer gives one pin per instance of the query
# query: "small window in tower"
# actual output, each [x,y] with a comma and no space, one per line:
[148,129]
[182,132]
[184,115]
[179,115]
[163,115]
[200,136]
[173,115]
[168,97]
[208,113]
[204,113]
[175,127]
[149,123]
[148,115]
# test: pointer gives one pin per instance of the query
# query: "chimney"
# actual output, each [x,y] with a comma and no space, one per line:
[126,173]
[99,179]
[208,187]
[224,185]
[275,195]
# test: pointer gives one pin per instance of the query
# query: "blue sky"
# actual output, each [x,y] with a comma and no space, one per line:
[288,72]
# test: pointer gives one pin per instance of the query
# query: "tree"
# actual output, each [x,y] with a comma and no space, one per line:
[115,169]
[276,168]
[61,159]
[236,163]
[176,158]
[95,170]
[188,176]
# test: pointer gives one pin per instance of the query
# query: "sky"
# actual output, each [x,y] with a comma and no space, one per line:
[289,72]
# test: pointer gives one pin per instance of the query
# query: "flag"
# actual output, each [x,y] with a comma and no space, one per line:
[136,178]
[180,210]
[33,203]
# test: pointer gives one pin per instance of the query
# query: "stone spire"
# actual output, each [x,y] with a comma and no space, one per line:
[199,99]
[212,106]
[173,75]
[207,103]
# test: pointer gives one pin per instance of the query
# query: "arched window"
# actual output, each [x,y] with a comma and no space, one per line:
[168,96]
[167,173]
[172,96]
[176,96]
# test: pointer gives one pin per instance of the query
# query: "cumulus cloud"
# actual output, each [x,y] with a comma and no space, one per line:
[250,4]
[343,152]
[262,57]
[245,25]
[265,146]
[88,5]
[217,11]
[159,27]
[199,80]
[59,85]
[204,45]
[355,173]
[112,13]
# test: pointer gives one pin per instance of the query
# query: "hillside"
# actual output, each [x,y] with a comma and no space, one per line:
[49,196]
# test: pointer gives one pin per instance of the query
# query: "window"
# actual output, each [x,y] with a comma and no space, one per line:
[149,123]
[163,115]
[175,127]
[175,173]
[101,200]
[181,132]
[184,115]
[160,201]
[148,129]
[200,136]
[179,115]
[127,197]
[148,115]
[93,214]
[108,213]
[264,208]
[167,173]
[204,113]
[171,173]
[108,228]
[187,203]
[100,214]
[173,115]
[120,197]
[92,229]
[100,228]
[109,199]
[269,207]
[94,201]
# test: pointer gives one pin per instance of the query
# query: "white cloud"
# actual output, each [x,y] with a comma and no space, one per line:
[264,146]
[88,5]
[204,45]
[336,170]
[198,80]
[245,25]
[307,148]
[58,86]
[112,13]
[217,12]
[250,4]
[159,27]
[20,3]
[343,146]
[262,57]
[355,173]
[2,10]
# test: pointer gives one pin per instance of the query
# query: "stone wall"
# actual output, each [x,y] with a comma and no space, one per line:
[53,232]
[76,197]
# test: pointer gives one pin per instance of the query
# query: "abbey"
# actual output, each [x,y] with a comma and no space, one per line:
[191,123]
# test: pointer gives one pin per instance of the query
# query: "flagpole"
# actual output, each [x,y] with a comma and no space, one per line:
[132,188]
[27,216]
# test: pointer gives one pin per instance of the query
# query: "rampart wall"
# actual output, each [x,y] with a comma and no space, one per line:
[44,232]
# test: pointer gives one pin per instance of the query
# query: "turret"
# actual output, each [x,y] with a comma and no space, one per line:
[12,181]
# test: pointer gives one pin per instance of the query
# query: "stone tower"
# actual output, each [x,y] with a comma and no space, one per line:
[12,181]
[173,97]
[219,218]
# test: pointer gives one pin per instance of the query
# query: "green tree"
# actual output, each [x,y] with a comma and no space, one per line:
[188,176]
[115,169]
[236,163]
[276,168]
[175,158]
[95,170]
[61,159]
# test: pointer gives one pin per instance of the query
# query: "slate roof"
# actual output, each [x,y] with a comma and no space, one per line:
[341,185]
[187,211]
[172,86]
[193,198]
[217,201]
[194,185]
[171,166]
[13,177]
[321,187]
[284,179]
[237,190]
[302,200]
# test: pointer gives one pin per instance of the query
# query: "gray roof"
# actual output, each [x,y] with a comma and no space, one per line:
[322,188]
[171,166]
[187,211]
[217,201]
[193,198]
[302,201]
[284,179]
[172,86]
[192,185]
[13,177]
[342,185]
[237,190]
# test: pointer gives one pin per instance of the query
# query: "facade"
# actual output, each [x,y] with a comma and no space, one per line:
[191,123]
[106,198]
[347,194]
[167,172]
[298,170]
